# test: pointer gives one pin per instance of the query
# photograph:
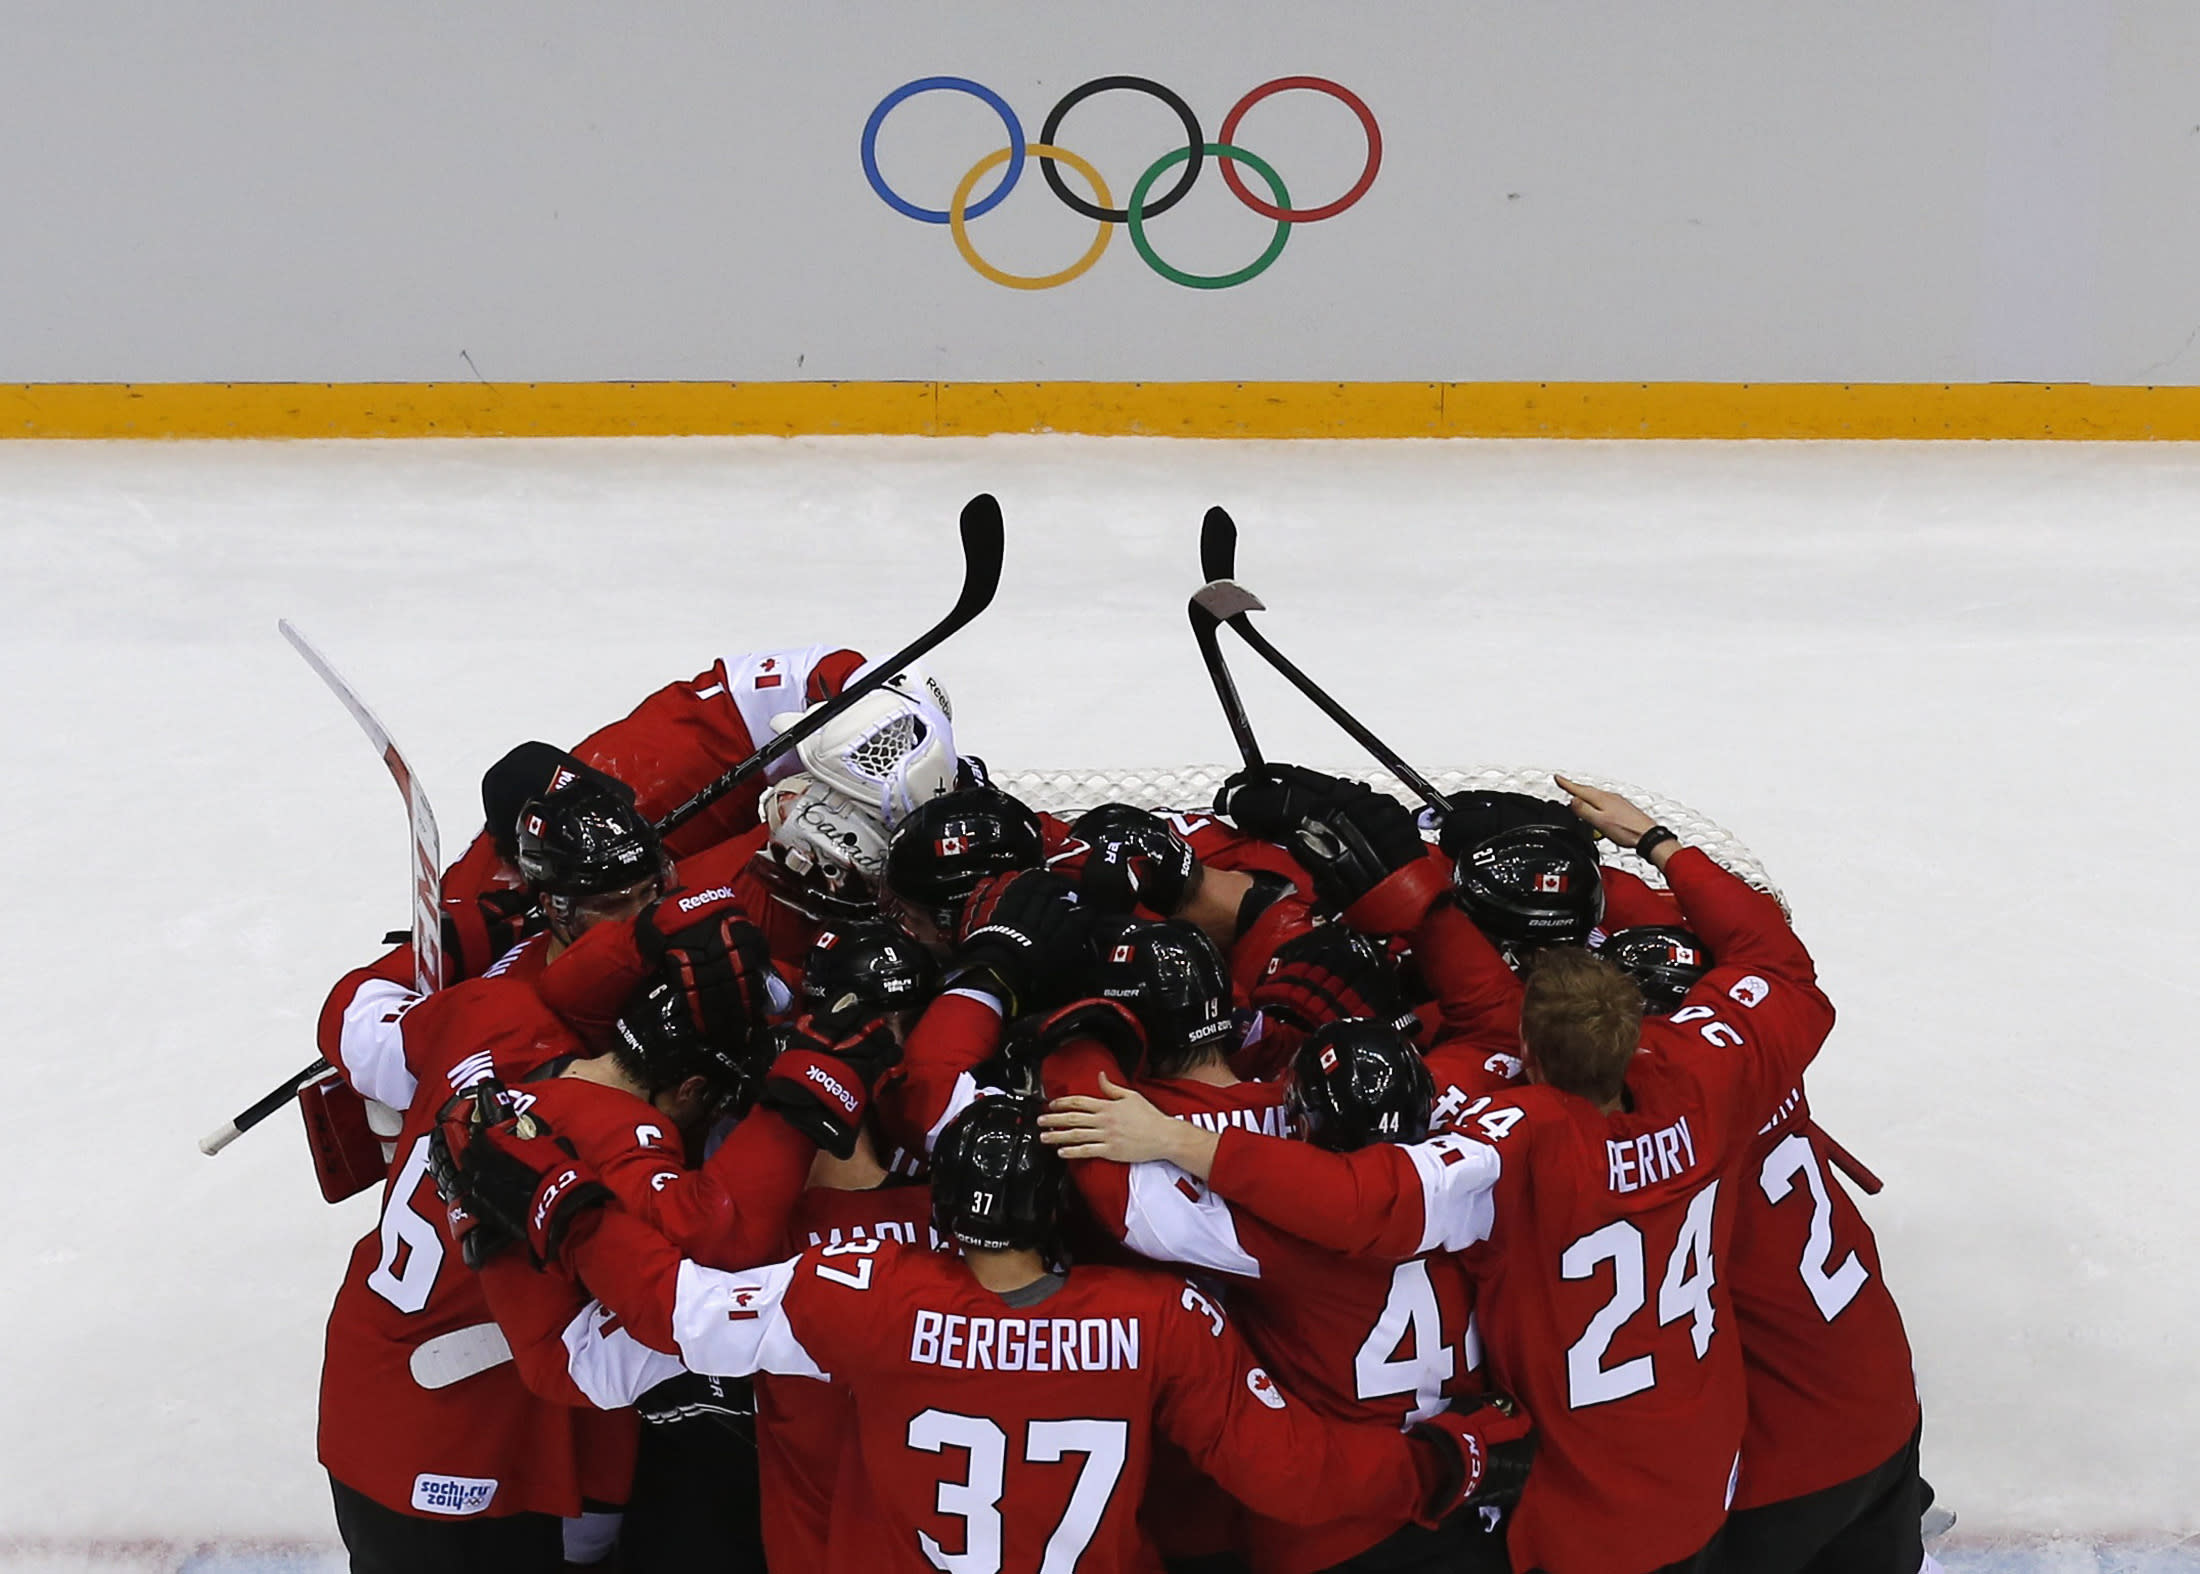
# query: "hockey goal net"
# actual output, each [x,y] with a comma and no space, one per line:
[1191,788]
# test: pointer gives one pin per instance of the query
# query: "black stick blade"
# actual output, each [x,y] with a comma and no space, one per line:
[1218,545]
[984,546]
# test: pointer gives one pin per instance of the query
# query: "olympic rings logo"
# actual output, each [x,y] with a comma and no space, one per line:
[1143,205]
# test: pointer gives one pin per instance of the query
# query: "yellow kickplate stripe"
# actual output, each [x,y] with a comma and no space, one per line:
[1208,409]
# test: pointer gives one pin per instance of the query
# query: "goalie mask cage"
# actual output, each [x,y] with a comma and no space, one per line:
[1191,789]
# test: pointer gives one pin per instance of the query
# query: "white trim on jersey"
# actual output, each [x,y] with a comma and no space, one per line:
[759,705]
[735,1324]
[1173,1218]
[370,1045]
[1458,1186]
[613,1369]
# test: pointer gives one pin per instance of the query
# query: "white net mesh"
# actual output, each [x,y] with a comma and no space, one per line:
[1192,787]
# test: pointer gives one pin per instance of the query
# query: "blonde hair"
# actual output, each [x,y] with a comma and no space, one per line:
[1580,1021]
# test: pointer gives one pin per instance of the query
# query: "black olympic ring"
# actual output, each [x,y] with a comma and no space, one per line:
[1077,95]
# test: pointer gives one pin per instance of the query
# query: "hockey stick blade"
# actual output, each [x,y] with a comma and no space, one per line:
[983,549]
[1217,545]
[244,1120]
[427,855]
[1357,730]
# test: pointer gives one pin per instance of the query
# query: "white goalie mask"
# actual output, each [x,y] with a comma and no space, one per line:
[826,854]
[891,750]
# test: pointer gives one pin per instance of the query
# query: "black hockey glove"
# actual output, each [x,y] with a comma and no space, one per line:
[1270,801]
[1027,938]
[821,1082]
[719,964]
[1137,860]
[1355,841]
[1329,973]
[729,1402]
[500,1167]
[1482,1449]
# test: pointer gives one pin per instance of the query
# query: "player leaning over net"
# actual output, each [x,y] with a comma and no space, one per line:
[1588,1203]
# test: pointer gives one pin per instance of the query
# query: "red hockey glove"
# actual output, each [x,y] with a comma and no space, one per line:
[718,963]
[1137,860]
[821,1084]
[507,1177]
[1326,974]
[1483,1446]
[1027,937]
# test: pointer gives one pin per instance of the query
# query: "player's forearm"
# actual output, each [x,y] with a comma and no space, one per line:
[746,1192]
[1364,1204]
[1741,925]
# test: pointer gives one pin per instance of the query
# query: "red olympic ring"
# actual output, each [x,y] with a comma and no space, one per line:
[1342,95]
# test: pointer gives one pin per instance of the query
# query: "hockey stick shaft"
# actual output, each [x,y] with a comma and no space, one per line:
[1218,560]
[1233,708]
[237,1125]
[1849,1164]
[982,551]
[1233,604]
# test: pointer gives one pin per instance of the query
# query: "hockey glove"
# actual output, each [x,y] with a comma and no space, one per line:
[1137,860]
[821,1083]
[719,964]
[729,1402]
[1269,801]
[505,1169]
[1365,852]
[1483,1446]
[1026,938]
[1329,973]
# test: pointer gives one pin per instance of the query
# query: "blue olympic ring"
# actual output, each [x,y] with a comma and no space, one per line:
[976,90]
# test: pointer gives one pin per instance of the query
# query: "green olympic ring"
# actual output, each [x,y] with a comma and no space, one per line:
[1223,152]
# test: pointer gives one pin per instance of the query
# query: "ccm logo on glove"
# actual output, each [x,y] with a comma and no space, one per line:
[549,1195]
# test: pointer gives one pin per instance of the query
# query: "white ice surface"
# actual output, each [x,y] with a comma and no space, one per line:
[1945,692]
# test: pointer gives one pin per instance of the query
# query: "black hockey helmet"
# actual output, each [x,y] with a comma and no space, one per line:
[658,1042]
[1359,1081]
[1475,817]
[1664,960]
[525,772]
[946,845]
[995,1185]
[859,971]
[1533,885]
[1170,976]
[582,840]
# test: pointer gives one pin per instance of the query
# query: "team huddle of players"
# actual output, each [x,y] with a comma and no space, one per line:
[873,1173]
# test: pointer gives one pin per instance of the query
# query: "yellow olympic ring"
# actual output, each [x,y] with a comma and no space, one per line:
[1020,281]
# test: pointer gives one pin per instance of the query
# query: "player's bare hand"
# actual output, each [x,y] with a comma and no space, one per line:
[1122,1125]
[1607,813]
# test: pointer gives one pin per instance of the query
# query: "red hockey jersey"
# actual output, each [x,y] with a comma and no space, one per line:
[421,1407]
[686,735]
[1011,1434]
[1597,1242]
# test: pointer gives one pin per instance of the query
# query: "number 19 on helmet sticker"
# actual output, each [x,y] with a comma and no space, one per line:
[1143,204]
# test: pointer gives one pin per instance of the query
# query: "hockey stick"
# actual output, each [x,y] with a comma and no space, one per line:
[1229,602]
[1217,555]
[982,552]
[427,865]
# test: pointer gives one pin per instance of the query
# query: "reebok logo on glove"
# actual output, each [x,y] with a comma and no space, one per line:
[717,893]
[824,1079]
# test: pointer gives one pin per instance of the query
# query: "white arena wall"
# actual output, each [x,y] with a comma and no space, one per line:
[549,190]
